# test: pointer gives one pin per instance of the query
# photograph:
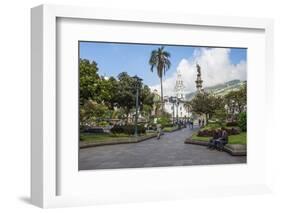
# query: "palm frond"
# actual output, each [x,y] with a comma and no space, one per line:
[166,54]
[159,59]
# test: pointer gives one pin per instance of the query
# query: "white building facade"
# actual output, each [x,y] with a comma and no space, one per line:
[175,105]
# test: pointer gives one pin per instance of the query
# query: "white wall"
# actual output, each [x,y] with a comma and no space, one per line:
[182,111]
[15,104]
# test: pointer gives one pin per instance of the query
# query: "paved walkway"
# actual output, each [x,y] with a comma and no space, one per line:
[170,150]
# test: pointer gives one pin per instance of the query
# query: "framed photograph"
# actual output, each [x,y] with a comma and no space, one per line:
[131,106]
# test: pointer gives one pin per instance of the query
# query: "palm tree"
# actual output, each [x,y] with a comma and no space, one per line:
[159,59]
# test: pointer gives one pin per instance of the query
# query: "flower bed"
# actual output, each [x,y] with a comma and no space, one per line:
[208,132]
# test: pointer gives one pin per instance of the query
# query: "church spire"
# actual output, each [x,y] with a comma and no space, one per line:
[179,87]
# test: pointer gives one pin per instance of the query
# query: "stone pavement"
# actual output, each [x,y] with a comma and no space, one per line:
[170,150]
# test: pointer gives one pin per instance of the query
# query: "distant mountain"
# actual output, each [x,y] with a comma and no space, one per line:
[220,89]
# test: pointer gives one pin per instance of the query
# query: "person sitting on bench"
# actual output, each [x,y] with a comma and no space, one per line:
[223,140]
[213,142]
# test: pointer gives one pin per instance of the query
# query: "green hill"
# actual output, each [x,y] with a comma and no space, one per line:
[220,89]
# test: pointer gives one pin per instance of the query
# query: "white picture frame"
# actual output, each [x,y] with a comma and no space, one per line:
[44,148]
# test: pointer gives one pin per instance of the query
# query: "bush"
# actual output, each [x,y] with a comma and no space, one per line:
[127,129]
[117,129]
[81,137]
[210,132]
[165,120]
[102,123]
[169,125]
[93,130]
[220,116]
[242,121]
[212,126]
[232,123]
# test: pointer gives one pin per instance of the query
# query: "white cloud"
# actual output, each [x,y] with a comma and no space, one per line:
[216,67]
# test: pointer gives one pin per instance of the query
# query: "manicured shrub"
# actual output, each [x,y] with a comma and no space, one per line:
[233,131]
[169,125]
[94,130]
[117,129]
[164,120]
[210,132]
[127,129]
[232,123]
[81,138]
[103,123]
[242,121]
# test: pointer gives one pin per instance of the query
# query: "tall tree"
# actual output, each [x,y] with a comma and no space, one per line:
[89,81]
[159,60]
[126,93]
[236,101]
[207,104]
[146,101]
[146,96]
[91,112]
[108,92]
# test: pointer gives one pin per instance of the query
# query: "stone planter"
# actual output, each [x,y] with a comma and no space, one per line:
[233,149]
[118,141]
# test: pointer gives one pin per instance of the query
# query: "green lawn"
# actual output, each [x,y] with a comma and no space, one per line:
[233,139]
[98,138]
[170,129]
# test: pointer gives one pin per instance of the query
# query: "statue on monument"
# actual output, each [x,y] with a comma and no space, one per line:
[198,81]
[198,69]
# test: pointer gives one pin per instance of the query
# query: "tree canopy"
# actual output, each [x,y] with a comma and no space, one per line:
[104,98]
[236,101]
[206,103]
[159,59]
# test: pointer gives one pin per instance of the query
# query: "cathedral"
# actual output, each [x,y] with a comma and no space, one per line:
[175,105]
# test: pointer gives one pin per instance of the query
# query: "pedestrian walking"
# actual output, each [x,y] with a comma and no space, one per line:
[158,131]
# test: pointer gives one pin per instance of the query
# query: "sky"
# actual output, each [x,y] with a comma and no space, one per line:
[218,65]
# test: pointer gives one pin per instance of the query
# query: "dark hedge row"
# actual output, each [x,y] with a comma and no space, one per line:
[232,123]
[127,129]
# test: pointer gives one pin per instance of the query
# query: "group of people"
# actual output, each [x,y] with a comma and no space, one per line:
[219,140]
[201,123]
[190,123]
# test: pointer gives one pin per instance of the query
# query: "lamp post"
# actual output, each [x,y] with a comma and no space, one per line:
[173,100]
[173,113]
[177,112]
[137,86]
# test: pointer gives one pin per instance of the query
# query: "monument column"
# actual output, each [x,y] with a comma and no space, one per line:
[198,81]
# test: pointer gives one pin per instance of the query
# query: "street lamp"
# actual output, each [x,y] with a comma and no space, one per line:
[137,87]
[177,104]
[173,101]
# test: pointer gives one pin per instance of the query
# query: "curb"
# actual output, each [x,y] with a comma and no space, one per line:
[131,140]
[229,148]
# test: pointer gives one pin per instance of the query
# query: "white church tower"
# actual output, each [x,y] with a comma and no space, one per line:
[179,87]
[177,108]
